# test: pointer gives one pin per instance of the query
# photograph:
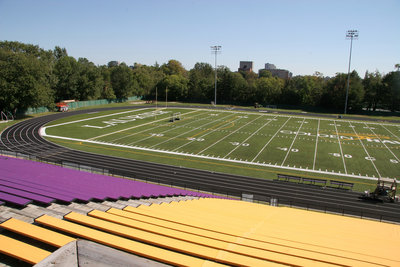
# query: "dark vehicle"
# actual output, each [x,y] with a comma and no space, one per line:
[385,191]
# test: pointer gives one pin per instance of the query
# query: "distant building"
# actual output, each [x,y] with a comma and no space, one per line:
[280,73]
[269,66]
[246,66]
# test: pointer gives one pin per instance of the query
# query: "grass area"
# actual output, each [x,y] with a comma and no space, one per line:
[252,144]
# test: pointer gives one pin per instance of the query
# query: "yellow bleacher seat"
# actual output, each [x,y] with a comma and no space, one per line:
[21,250]
[193,249]
[277,255]
[36,232]
[125,244]
[345,238]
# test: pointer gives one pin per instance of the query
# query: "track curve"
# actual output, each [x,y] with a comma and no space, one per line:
[24,138]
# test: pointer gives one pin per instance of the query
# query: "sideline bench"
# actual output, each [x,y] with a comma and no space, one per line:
[298,179]
[288,178]
[341,184]
[315,181]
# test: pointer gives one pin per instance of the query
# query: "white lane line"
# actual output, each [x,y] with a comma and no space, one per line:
[340,146]
[229,135]
[262,149]
[294,140]
[244,141]
[316,145]
[366,151]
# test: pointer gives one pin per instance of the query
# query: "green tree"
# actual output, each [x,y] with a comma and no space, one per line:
[146,79]
[122,81]
[307,90]
[176,85]
[373,90]
[265,74]
[24,77]
[90,81]
[107,91]
[232,87]
[67,73]
[201,82]
[269,90]
[391,91]
[335,92]
[174,67]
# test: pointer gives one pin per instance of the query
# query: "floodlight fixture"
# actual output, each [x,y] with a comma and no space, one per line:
[350,34]
[215,49]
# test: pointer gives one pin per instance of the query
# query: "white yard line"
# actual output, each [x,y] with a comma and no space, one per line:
[398,138]
[165,131]
[382,142]
[98,117]
[340,146]
[244,141]
[262,149]
[294,140]
[130,135]
[213,158]
[316,146]
[228,135]
[366,151]
[184,133]
[179,147]
[130,128]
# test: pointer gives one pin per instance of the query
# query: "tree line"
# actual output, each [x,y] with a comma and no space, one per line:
[33,77]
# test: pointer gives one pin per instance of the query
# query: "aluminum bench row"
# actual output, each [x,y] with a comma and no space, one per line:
[314,181]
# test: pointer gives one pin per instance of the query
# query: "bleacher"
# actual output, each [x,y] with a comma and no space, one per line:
[23,182]
[315,181]
[214,232]
[179,228]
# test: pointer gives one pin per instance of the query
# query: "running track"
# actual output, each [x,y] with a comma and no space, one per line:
[24,138]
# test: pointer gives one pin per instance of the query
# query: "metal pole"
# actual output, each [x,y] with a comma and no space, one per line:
[215,87]
[350,34]
[215,49]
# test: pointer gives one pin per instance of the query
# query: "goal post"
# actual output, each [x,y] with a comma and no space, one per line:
[175,117]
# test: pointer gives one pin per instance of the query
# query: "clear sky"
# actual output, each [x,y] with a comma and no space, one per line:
[302,36]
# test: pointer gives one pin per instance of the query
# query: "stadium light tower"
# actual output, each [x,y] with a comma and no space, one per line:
[350,34]
[215,49]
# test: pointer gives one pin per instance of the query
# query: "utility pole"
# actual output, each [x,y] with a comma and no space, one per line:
[166,97]
[215,49]
[350,34]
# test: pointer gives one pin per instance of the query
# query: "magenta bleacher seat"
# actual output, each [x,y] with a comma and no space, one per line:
[68,184]
[25,194]
[14,199]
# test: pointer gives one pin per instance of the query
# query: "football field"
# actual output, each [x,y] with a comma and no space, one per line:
[285,143]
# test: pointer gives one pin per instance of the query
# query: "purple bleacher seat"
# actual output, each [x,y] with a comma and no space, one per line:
[14,199]
[25,194]
[67,184]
